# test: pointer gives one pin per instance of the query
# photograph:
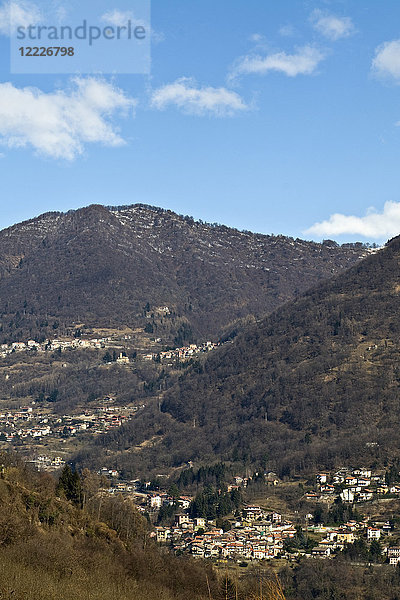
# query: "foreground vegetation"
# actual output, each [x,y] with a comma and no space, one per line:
[87,546]
[64,539]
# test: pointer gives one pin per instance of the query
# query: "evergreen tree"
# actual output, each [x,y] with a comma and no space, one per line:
[69,485]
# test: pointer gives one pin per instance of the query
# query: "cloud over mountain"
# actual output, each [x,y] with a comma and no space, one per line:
[373,225]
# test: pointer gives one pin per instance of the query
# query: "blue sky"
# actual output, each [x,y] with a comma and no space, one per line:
[272,116]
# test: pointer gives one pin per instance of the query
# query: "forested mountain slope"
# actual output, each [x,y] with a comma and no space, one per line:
[315,384]
[113,267]
[317,381]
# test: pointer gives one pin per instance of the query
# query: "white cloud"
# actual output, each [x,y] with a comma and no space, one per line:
[387,60]
[61,13]
[15,13]
[287,31]
[373,225]
[256,38]
[157,37]
[59,124]
[303,62]
[185,94]
[331,26]
[119,18]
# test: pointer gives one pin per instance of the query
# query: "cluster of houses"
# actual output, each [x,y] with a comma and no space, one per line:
[48,463]
[183,353]
[97,421]
[33,422]
[352,486]
[52,345]
[178,354]
[257,535]
[335,538]
[23,423]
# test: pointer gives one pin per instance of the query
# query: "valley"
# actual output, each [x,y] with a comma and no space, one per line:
[240,408]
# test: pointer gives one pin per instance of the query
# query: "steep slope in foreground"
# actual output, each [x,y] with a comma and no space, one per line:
[52,548]
[314,384]
[101,267]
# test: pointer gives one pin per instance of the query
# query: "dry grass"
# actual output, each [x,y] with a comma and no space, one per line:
[271,589]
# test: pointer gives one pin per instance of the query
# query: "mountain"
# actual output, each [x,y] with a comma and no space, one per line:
[313,385]
[116,266]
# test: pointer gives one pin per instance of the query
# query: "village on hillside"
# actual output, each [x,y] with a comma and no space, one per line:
[178,354]
[254,532]
[35,422]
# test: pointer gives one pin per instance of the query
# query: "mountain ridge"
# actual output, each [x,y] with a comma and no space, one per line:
[102,265]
